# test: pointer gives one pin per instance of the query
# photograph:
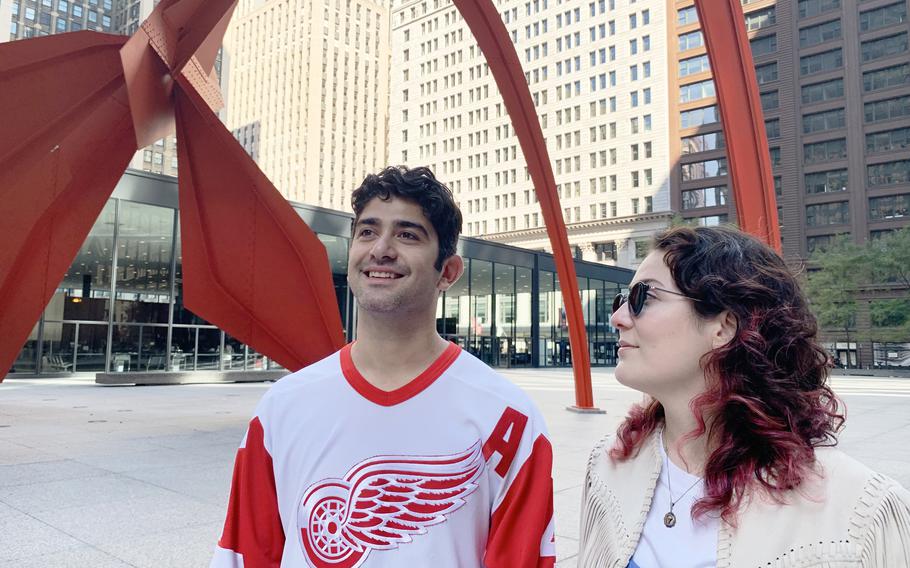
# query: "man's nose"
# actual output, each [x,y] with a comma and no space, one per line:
[383,247]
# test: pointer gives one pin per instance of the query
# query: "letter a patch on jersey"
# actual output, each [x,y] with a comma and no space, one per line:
[505,439]
[381,503]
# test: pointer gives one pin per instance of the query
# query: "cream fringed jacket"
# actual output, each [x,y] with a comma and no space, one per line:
[849,516]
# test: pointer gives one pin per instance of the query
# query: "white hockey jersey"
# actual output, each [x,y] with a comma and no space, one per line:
[453,470]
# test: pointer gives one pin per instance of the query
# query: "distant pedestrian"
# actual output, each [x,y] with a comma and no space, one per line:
[728,461]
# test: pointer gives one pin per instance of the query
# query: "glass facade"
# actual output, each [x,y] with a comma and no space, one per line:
[119,308]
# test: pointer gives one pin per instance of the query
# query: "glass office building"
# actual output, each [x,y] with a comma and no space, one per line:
[120,306]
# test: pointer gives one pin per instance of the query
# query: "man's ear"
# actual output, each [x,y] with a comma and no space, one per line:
[452,269]
[725,330]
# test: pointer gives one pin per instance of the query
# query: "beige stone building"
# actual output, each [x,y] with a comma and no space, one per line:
[597,73]
[308,93]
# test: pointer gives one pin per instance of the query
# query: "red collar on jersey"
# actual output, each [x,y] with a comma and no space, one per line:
[414,387]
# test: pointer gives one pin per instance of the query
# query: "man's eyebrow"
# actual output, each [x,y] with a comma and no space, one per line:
[402,224]
[371,221]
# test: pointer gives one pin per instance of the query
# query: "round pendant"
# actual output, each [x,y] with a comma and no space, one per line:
[670,520]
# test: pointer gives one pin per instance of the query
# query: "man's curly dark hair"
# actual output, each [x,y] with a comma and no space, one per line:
[420,186]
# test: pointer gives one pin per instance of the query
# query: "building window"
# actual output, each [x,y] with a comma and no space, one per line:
[686,16]
[763,45]
[809,8]
[893,76]
[605,251]
[889,140]
[821,121]
[770,100]
[888,173]
[696,91]
[709,220]
[837,213]
[883,17]
[704,169]
[699,116]
[772,128]
[826,91]
[819,33]
[702,142]
[821,62]
[818,243]
[641,249]
[827,151]
[888,109]
[826,182]
[691,40]
[766,73]
[760,19]
[884,47]
[891,207]
[704,197]
[693,65]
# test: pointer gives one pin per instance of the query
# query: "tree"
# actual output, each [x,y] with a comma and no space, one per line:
[832,287]
[891,258]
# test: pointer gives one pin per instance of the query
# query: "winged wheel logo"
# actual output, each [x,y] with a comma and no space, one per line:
[381,503]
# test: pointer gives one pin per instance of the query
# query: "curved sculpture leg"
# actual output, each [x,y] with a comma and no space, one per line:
[496,45]
[740,107]
[67,137]
[251,265]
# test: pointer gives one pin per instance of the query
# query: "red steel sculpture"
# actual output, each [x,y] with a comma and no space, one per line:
[77,106]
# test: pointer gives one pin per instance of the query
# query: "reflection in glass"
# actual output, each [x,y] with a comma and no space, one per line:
[504,283]
[84,294]
[522,354]
[144,248]
[481,344]
[90,347]
[454,323]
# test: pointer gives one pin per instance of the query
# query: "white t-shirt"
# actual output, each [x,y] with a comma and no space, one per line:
[453,470]
[688,544]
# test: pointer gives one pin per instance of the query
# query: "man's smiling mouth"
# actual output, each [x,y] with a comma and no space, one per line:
[385,275]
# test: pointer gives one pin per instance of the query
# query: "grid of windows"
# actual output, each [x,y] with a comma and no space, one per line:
[837,213]
[893,76]
[696,91]
[884,47]
[704,169]
[770,100]
[890,207]
[705,197]
[809,8]
[760,19]
[889,140]
[766,73]
[883,17]
[702,142]
[821,62]
[820,33]
[828,150]
[763,45]
[821,121]
[693,65]
[888,173]
[826,91]
[691,40]
[826,182]
[888,109]
[699,116]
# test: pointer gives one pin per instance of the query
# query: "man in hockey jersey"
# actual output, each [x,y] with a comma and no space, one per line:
[400,450]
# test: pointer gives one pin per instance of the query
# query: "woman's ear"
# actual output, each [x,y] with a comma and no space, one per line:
[725,330]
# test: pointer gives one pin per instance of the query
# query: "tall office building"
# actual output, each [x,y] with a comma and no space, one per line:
[308,94]
[597,73]
[34,18]
[834,77]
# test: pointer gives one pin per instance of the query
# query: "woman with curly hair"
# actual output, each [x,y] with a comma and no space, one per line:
[729,461]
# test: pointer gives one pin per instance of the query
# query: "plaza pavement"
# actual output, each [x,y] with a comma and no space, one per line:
[139,476]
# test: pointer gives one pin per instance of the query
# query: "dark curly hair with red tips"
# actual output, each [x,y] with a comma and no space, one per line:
[767,404]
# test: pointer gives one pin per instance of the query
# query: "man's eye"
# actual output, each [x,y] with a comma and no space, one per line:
[408,235]
[365,232]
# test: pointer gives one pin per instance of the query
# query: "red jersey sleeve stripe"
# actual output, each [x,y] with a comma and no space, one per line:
[521,522]
[253,525]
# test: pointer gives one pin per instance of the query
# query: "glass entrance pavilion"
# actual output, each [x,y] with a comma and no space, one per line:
[120,306]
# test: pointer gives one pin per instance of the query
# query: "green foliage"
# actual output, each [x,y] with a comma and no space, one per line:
[832,287]
[844,270]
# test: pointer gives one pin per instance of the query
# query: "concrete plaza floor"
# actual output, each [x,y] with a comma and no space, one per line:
[139,476]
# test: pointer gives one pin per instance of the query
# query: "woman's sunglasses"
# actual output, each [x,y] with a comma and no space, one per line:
[638,293]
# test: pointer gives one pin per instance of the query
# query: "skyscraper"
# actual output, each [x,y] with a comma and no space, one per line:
[34,18]
[308,93]
[596,71]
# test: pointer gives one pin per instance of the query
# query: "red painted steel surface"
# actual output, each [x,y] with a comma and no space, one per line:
[67,137]
[75,106]
[496,45]
[730,55]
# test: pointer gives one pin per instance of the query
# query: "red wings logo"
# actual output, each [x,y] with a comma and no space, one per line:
[381,503]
